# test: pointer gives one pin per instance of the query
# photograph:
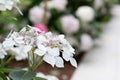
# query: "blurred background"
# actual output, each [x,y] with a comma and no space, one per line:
[91,26]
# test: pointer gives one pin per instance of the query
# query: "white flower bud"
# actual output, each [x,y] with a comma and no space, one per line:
[70,24]
[85,13]
[60,5]
[36,14]
[86,42]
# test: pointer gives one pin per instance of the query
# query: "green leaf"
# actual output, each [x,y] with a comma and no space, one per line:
[21,75]
[6,70]
[2,76]
[38,78]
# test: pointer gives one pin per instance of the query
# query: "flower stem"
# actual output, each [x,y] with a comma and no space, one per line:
[41,60]
[29,62]
[5,62]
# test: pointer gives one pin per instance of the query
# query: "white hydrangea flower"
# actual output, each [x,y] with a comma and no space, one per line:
[36,14]
[60,5]
[17,47]
[2,52]
[45,45]
[70,24]
[85,13]
[47,77]
[51,46]
[20,43]
[86,42]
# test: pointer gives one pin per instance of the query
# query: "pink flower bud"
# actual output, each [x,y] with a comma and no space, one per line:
[41,27]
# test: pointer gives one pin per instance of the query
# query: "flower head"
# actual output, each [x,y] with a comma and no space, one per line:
[70,24]
[85,13]
[47,45]
[51,46]
[36,15]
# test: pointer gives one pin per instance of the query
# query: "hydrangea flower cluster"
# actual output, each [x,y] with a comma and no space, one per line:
[53,49]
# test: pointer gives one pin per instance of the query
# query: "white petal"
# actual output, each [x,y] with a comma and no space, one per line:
[73,62]
[19,40]
[49,59]
[49,77]
[53,51]
[66,56]
[8,43]
[39,52]
[41,39]
[41,47]
[40,75]
[27,48]
[59,62]
[23,29]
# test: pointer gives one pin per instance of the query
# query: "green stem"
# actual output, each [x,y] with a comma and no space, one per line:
[41,60]
[29,68]
[3,63]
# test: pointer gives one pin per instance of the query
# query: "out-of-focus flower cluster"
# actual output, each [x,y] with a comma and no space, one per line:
[31,40]
[74,22]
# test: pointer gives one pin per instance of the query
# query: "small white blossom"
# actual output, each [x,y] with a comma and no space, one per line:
[85,13]
[86,42]
[47,77]
[19,50]
[9,4]
[2,52]
[20,43]
[70,24]
[36,14]
[60,5]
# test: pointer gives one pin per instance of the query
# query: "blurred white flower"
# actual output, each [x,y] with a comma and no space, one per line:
[85,13]
[9,4]
[36,14]
[98,4]
[2,52]
[86,42]
[51,46]
[70,24]
[47,77]
[115,11]
[60,5]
